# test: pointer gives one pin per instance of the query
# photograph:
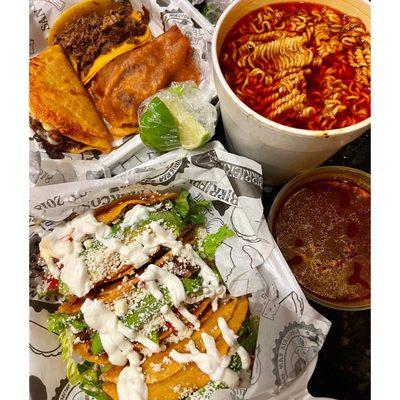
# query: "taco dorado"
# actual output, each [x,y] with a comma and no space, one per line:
[168,329]
[61,111]
[94,32]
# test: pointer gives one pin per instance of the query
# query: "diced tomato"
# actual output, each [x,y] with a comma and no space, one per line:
[52,284]
[170,327]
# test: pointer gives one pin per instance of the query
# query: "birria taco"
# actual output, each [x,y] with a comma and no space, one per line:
[163,328]
[94,32]
[124,83]
[61,111]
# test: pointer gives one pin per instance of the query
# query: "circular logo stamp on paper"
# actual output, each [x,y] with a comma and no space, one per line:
[66,391]
[295,347]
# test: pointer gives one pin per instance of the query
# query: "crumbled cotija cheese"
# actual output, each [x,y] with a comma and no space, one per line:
[101,263]
[155,367]
[120,307]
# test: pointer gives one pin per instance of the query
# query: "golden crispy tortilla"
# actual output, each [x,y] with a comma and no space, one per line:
[162,380]
[120,86]
[59,100]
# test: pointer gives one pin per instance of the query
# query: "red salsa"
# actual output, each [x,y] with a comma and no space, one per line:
[323,230]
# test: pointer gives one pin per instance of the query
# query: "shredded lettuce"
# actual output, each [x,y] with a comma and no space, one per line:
[197,210]
[71,367]
[171,218]
[86,375]
[248,334]
[154,337]
[63,288]
[90,382]
[96,347]
[236,363]
[181,204]
[58,322]
[213,240]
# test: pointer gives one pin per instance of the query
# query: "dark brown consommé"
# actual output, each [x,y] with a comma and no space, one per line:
[323,231]
[300,64]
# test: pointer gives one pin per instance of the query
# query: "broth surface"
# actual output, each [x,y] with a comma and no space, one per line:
[323,231]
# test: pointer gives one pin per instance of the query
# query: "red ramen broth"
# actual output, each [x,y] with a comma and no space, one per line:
[323,231]
[301,65]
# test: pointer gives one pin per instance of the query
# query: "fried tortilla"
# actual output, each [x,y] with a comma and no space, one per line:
[162,378]
[93,32]
[120,86]
[61,106]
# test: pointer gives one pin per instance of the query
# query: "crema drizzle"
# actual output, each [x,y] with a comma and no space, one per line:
[64,243]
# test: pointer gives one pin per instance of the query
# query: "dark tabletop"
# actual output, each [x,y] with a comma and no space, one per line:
[343,369]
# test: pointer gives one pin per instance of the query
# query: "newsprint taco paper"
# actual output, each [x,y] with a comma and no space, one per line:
[291,333]
[92,165]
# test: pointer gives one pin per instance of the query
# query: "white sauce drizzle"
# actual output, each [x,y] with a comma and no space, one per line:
[176,290]
[113,339]
[211,362]
[135,215]
[230,338]
[220,293]
[189,317]
[170,317]
[65,244]
[210,280]
[153,275]
[131,383]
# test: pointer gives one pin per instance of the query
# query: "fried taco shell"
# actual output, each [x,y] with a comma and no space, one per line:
[120,86]
[161,384]
[61,105]
[94,32]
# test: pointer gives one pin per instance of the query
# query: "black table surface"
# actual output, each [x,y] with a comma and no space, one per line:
[343,369]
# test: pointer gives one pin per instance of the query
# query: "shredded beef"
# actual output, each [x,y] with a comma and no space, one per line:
[85,335]
[54,151]
[183,268]
[92,35]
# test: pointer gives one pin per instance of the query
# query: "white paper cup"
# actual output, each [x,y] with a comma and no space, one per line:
[282,151]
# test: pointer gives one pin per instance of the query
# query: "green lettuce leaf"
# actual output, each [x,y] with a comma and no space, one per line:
[197,210]
[248,334]
[181,204]
[213,240]
[71,367]
[58,322]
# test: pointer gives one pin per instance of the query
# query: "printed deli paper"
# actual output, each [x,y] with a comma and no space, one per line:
[130,151]
[291,332]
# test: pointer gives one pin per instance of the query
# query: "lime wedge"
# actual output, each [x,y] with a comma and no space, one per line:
[191,133]
[158,128]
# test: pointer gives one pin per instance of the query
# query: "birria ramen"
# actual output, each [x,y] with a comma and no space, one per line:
[300,64]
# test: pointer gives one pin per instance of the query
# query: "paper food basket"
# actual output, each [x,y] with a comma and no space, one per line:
[291,332]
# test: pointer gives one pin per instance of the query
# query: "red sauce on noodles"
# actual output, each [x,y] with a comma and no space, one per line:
[340,71]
